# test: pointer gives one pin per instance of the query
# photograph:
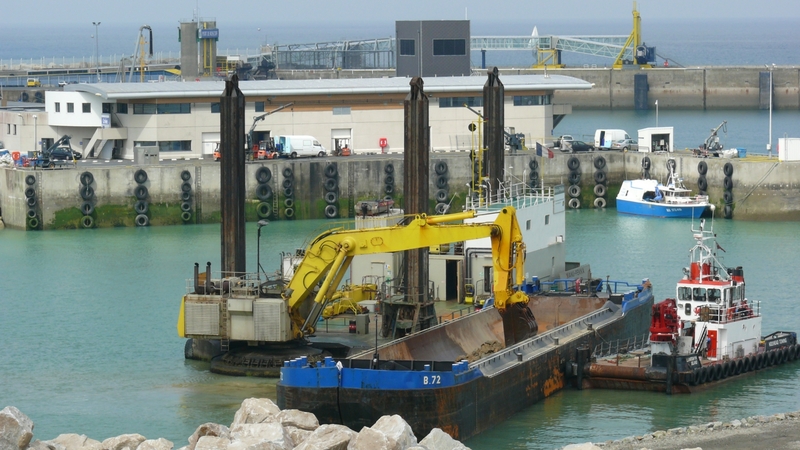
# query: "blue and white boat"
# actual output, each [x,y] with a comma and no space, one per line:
[647,197]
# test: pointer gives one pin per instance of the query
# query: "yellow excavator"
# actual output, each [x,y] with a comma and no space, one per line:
[241,308]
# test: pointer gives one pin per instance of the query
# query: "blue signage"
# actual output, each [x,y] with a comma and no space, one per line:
[105,120]
[209,33]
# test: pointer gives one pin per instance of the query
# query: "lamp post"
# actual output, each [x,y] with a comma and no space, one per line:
[769,144]
[259,269]
[35,144]
[656,112]
[97,49]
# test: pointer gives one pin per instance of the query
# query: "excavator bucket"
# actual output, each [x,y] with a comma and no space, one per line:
[518,323]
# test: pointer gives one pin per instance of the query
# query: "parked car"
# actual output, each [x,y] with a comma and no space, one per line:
[65,154]
[561,141]
[625,145]
[576,146]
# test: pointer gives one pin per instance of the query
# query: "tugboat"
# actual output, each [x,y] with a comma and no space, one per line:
[709,332]
[646,197]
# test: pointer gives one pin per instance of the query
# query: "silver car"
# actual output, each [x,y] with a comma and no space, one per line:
[625,145]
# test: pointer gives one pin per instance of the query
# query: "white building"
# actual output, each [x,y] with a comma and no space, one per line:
[182,118]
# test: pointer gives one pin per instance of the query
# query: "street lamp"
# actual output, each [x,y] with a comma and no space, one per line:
[769,144]
[97,49]
[35,145]
[261,223]
[656,112]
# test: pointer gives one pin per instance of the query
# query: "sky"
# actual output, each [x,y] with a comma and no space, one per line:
[381,11]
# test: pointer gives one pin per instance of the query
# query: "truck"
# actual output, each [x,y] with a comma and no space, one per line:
[605,138]
[296,146]
[58,154]
[33,82]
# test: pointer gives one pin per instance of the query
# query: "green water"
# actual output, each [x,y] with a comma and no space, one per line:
[90,345]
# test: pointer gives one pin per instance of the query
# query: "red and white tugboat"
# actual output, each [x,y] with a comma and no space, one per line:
[710,331]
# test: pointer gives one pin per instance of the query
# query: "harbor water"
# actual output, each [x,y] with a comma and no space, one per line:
[91,347]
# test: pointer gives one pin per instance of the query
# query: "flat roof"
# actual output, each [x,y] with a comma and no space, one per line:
[349,86]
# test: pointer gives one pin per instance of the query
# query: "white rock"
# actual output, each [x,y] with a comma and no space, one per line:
[298,435]
[76,442]
[212,443]
[440,440]
[156,444]
[300,419]
[370,439]
[272,433]
[397,430]
[736,423]
[16,429]
[256,410]
[419,447]
[585,446]
[39,445]
[124,442]
[208,429]
[328,437]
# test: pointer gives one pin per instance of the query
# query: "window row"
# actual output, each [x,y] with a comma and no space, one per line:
[166,146]
[162,108]
[459,102]
[85,107]
[441,47]
[532,100]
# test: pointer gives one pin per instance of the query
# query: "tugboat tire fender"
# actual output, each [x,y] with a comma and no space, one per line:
[759,361]
[702,375]
[718,372]
[739,367]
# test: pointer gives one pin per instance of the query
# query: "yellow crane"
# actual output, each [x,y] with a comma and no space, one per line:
[139,50]
[634,42]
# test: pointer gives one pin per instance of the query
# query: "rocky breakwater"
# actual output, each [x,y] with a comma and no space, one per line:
[258,425]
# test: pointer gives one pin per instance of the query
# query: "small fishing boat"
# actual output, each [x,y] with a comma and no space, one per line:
[647,197]
[708,332]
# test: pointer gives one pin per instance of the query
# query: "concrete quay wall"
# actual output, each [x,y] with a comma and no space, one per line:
[762,189]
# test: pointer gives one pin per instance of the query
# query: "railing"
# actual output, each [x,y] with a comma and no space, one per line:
[621,346]
[231,284]
[722,315]
[512,193]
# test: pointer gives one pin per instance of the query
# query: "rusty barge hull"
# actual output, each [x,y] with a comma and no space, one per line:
[417,378]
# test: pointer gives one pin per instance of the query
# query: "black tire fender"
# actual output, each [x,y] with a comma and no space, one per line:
[288,192]
[600,190]
[140,176]
[87,208]
[331,171]
[287,172]
[186,206]
[727,169]
[330,184]
[702,167]
[31,201]
[599,162]
[186,196]
[573,163]
[142,220]
[287,183]
[599,202]
[533,164]
[140,207]
[87,192]
[702,184]
[574,203]
[388,180]
[441,181]
[441,195]
[440,168]
[186,216]
[389,168]
[288,203]
[87,221]
[388,189]
[728,197]
[264,192]
[331,211]
[288,212]
[263,175]
[727,183]
[140,192]
[264,210]
[186,186]
[87,178]
[30,180]
[599,177]
[574,177]
[186,175]
[331,197]
[574,191]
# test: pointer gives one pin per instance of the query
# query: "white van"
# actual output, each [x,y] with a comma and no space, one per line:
[294,146]
[604,138]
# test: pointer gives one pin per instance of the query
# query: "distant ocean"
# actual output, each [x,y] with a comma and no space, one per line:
[689,43]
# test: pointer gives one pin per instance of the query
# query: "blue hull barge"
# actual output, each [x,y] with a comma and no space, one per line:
[647,197]
[460,376]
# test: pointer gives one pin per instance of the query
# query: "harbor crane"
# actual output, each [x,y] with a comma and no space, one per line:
[139,50]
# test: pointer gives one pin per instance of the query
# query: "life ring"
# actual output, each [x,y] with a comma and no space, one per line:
[186,206]
[440,168]
[727,211]
[574,203]
[31,213]
[574,191]
[31,201]
[186,186]
[288,212]
[599,202]
[140,207]
[388,189]
[186,216]
[388,180]
[287,172]
[264,192]
[263,175]
[330,170]
[86,178]
[142,220]
[702,184]
[727,169]
[727,183]
[263,210]
[289,202]
[87,221]
[140,192]
[646,163]
[287,183]
[441,182]
[534,175]
[87,192]
[288,192]
[573,163]
[87,208]
[331,211]
[702,167]
[600,177]
[33,222]
[186,175]
[331,197]
[574,177]
[441,195]
[728,197]
[671,164]
[533,164]
[441,208]
[330,184]
[600,190]
[389,168]
[599,162]
[140,176]
[186,196]
[30,180]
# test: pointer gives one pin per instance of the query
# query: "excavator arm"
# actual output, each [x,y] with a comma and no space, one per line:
[329,256]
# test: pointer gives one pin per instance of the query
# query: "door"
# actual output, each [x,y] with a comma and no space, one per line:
[341,138]
[210,141]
